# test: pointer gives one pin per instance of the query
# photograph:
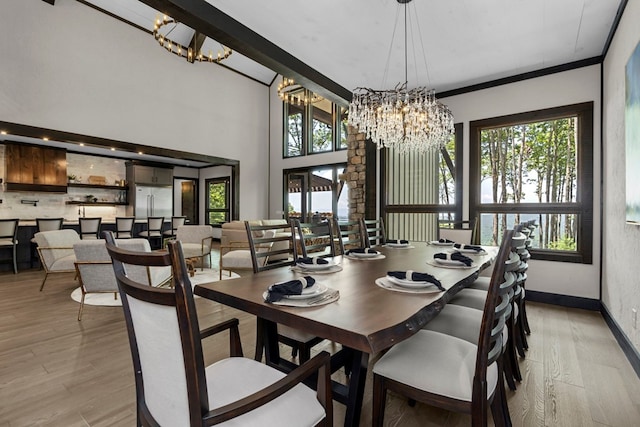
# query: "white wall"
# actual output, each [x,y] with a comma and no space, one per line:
[69,67]
[570,87]
[620,283]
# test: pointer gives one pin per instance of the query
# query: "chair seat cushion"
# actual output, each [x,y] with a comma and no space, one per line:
[8,242]
[66,263]
[436,363]
[458,321]
[240,258]
[192,249]
[481,283]
[233,378]
[473,298]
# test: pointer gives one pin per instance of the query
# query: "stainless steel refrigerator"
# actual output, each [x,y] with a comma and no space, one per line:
[153,201]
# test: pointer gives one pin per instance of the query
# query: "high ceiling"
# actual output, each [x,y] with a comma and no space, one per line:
[452,44]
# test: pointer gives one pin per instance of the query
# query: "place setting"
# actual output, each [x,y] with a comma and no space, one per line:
[364,254]
[441,242]
[469,249]
[410,282]
[453,259]
[316,265]
[398,244]
[301,292]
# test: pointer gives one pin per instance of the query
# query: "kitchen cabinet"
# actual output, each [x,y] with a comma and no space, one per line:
[149,175]
[35,168]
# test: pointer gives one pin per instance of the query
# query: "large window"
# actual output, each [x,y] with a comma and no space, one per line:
[536,165]
[315,126]
[218,208]
[313,194]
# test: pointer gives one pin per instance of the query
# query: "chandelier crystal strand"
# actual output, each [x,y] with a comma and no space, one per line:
[408,120]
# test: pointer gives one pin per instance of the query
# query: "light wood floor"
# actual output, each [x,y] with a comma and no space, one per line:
[56,371]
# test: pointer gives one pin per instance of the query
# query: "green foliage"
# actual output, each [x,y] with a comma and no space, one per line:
[218,195]
[564,244]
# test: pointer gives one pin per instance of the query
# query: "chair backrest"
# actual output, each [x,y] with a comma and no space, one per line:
[124,226]
[90,228]
[93,265]
[61,241]
[458,231]
[315,239]
[374,232]
[177,221]
[193,233]
[155,224]
[496,309]
[49,224]
[350,235]
[261,245]
[164,337]
[9,229]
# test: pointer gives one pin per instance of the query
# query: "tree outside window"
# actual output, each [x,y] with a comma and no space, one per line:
[218,201]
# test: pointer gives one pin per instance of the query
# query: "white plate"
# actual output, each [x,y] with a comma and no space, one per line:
[334,268]
[310,292]
[383,282]
[314,266]
[363,255]
[397,245]
[437,243]
[449,263]
[470,251]
[408,283]
[367,258]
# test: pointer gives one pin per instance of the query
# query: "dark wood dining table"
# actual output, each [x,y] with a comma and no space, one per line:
[365,320]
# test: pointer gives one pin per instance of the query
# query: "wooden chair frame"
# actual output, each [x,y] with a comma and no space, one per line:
[87,221]
[181,297]
[350,234]
[315,239]
[374,232]
[122,220]
[489,350]
[14,238]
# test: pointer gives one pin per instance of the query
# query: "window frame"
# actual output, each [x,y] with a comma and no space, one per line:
[228,200]
[582,207]
[307,129]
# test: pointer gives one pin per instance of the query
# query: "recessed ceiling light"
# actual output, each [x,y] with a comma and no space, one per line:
[3,132]
[140,152]
[81,144]
[113,149]
[45,139]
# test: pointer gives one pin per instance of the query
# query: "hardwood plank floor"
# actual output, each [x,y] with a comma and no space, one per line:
[56,371]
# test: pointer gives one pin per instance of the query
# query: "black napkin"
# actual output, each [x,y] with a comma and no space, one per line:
[362,251]
[401,242]
[277,291]
[468,247]
[310,260]
[416,277]
[445,241]
[456,256]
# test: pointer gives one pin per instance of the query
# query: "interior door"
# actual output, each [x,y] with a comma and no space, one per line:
[185,199]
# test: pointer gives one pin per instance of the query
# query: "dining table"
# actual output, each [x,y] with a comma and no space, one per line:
[367,315]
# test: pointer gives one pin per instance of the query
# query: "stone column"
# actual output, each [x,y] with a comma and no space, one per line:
[355,175]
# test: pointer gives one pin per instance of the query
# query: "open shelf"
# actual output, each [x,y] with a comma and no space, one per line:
[77,202]
[105,187]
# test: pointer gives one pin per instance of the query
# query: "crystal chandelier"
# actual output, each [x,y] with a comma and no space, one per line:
[409,120]
[191,53]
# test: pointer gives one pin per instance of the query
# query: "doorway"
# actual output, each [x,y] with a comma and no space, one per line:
[185,195]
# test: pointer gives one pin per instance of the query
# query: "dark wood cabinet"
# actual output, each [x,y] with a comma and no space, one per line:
[35,168]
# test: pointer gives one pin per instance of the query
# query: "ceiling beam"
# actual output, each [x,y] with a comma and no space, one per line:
[206,19]
[51,2]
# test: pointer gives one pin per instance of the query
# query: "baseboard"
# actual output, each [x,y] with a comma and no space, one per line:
[563,300]
[627,347]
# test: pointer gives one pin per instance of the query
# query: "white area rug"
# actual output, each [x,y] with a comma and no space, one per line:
[107,299]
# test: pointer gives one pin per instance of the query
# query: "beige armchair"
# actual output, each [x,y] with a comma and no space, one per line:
[55,249]
[95,272]
[196,242]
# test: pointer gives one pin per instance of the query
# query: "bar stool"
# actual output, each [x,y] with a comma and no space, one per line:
[124,227]
[155,224]
[44,224]
[90,228]
[9,238]
[176,221]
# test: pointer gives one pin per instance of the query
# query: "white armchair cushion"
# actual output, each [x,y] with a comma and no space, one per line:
[233,378]
[65,263]
[436,363]
[239,258]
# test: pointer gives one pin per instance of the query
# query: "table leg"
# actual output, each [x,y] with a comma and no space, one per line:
[359,367]
[270,341]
